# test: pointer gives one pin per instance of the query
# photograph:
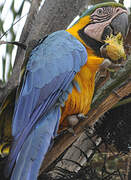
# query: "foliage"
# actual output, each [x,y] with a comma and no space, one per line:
[10,35]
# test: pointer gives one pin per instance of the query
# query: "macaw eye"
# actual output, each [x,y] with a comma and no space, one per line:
[100,11]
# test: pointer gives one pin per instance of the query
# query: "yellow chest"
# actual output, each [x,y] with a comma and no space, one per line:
[79,101]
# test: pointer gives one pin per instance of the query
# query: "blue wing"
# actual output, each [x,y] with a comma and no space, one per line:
[49,72]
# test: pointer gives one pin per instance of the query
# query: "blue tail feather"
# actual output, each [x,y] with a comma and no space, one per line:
[36,146]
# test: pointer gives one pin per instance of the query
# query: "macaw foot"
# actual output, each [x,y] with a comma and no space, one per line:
[106,63]
[73,120]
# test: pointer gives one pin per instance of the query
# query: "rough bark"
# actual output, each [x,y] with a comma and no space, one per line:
[55,15]
[80,151]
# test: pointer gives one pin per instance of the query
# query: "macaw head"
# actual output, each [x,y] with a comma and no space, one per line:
[100,23]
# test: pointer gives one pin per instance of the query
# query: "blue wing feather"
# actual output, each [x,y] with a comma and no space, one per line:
[49,73]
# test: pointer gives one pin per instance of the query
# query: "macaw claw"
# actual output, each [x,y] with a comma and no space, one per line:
[73,120]
[71,130]
[106,63]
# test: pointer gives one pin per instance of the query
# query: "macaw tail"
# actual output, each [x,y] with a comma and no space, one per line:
[35,147]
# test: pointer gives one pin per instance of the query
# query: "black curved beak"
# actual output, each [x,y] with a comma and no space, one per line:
[120,24]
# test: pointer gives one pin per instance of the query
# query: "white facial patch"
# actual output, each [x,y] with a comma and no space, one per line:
[95,31]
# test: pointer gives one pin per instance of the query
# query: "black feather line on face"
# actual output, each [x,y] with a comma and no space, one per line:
[92,43]
[99,20]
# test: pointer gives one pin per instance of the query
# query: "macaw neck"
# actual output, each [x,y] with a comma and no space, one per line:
[93,61]
[74,32]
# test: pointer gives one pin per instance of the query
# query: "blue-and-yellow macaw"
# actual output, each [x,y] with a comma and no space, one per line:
[59,81]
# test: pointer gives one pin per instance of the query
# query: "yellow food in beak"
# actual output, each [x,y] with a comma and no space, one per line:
[115,49]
